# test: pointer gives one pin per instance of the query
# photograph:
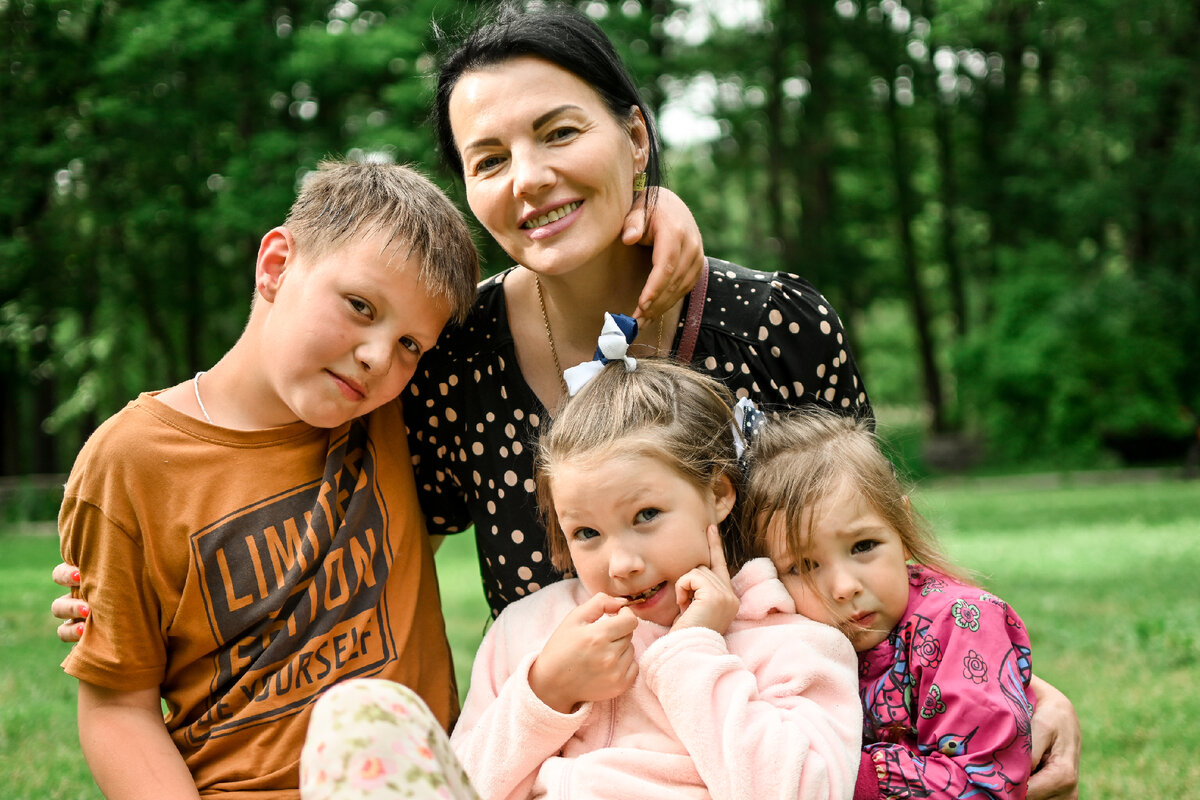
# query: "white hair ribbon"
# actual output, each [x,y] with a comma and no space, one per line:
[618,333]
[747,420]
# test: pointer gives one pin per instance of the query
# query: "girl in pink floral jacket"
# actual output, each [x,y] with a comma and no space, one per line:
[944,667]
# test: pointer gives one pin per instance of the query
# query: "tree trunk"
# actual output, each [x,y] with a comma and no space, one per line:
[905,212]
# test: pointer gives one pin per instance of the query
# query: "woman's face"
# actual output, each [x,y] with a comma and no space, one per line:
[548,170]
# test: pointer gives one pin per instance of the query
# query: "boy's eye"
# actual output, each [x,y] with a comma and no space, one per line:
[360,306]
[411,345]
[646,514]
[584,534]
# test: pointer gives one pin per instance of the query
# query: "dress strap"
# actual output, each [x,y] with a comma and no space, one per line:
[691,327]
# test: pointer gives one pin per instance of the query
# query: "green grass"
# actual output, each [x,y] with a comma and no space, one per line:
[1105,578]
[1104,575]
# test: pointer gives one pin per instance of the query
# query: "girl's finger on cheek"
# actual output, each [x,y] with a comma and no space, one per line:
[716,552]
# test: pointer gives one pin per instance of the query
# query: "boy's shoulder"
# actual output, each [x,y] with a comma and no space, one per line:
[147,435]
[136,441]
[127,432]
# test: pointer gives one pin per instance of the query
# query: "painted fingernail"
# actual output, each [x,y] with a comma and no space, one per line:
[75,576]
[79,629]
[84,611]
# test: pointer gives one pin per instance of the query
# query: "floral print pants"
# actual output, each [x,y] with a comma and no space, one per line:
[370,739]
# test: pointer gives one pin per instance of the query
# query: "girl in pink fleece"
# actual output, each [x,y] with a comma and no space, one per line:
[651,673]
[944,667]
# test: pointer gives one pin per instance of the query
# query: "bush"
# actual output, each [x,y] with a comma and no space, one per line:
[1069,369]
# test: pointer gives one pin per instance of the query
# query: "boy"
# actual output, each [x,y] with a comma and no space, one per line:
[252,536]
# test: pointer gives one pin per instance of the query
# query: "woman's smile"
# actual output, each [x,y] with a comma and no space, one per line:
[553,216]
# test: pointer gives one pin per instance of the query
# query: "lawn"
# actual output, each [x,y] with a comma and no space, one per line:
[1105,576]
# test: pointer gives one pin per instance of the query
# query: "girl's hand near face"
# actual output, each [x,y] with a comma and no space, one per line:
[705,595]
[678,255]
[589,657]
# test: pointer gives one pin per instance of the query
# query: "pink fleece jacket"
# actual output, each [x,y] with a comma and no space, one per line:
[770,710]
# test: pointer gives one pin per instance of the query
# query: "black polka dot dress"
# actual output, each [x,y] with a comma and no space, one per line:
[473,421]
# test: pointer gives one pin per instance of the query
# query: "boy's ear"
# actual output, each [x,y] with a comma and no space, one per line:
[275,253]
[724,496]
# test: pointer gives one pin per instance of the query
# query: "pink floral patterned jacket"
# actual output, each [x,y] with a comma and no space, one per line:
[946,696]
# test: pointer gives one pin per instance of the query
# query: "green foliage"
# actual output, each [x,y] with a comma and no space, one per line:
[1066,367]
[1102,574]
[1008,185]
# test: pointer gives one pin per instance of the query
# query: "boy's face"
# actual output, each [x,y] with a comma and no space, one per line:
[345,330]
[634,526]
[853,575]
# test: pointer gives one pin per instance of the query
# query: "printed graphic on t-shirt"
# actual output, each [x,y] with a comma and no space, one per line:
[293,588]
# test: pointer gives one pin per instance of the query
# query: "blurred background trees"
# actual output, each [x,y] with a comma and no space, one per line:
[1000,197]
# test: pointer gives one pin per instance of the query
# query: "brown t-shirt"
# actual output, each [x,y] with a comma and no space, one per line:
[243,573]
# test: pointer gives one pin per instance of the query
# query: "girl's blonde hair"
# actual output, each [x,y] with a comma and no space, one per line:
[662,410]
[802,459]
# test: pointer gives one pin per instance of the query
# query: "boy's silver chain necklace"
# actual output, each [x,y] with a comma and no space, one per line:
[199,402]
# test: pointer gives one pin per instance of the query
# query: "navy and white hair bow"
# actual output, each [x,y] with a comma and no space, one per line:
[618,333]
[747,420]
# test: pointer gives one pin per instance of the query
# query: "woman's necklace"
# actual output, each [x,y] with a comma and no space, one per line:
[549,337]
[199,402]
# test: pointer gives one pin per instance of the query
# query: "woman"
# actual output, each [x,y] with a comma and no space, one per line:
[551,178]
[538,114]
[542,120]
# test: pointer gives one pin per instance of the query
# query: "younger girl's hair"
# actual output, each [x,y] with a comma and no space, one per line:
[662,410]
[801,459]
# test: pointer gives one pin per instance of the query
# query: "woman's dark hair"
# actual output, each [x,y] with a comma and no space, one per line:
[555,33]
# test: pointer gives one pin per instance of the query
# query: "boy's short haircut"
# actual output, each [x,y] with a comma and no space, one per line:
[345,200]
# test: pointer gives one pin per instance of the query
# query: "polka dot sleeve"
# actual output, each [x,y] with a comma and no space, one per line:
[774,338]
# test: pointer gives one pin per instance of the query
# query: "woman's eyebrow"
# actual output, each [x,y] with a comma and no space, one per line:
[551,114]
[537,123]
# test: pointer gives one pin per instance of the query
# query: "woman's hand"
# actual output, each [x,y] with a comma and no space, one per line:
[589,657]
[68,608]
[705,594]
[1056,744]
[678,255]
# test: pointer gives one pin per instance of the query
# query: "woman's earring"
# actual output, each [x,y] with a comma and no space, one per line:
[639,181]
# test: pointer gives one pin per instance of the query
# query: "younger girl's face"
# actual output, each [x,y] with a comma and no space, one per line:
[634,525]
[853,574]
